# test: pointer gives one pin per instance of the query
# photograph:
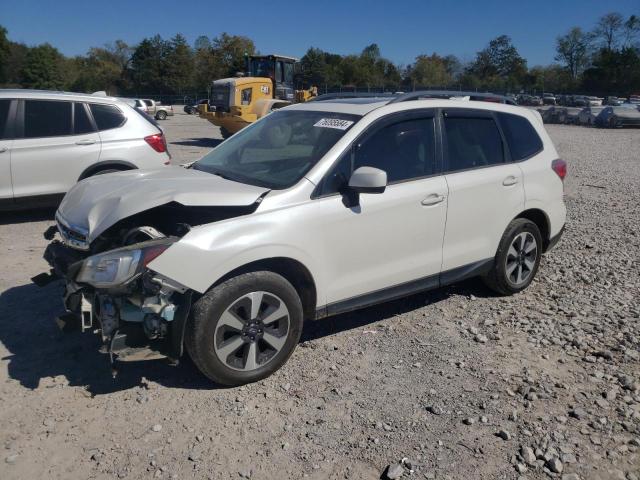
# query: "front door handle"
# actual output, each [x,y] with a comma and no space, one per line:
[85,142]
[510,180]
[3,149]
[433,199]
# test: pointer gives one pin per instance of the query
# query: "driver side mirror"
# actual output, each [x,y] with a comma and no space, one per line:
[368,180]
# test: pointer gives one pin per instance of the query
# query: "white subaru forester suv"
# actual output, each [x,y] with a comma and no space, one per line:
[317,209]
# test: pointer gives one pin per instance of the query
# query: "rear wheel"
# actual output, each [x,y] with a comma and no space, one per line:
[245,329]
[161,115]
[105,171]
[517,259]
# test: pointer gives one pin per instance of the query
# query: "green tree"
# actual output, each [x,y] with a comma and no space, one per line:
[5,51]
[499,65]
[430,71]
[42,68]
[230,51]
[147,67]
[573,51]
[608,31]
[179,65]
[614,72]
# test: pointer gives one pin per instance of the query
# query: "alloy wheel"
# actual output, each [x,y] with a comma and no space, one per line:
[252,331]
[521,258]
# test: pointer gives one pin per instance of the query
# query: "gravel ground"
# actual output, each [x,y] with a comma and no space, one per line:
[452,384]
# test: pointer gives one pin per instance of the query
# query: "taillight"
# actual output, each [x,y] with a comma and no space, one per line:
[157,142]
[560,167]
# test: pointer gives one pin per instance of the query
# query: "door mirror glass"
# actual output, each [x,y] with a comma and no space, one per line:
[368,180]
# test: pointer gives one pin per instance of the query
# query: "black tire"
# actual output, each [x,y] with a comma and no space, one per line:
[498,278]
[161,115]
[225,133]
[207,313]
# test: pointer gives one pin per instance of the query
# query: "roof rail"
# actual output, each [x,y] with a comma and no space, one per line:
[335,96]
[448,94]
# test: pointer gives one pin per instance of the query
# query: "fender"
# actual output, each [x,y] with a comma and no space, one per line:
[120,164]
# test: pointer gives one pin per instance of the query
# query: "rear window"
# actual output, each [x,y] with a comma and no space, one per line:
[4,114]
[472,142]
[46,118]
[522,138]
[107,116]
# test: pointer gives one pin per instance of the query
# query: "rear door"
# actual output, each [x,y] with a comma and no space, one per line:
[6,135]
[56,141]
[485,191]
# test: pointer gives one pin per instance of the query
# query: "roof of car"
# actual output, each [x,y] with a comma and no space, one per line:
[53,94]
[361,107]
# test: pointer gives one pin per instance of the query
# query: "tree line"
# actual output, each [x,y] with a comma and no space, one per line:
[603,60]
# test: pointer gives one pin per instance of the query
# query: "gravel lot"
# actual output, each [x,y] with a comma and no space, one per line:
[459,383]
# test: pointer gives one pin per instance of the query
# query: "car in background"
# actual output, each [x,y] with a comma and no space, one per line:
[579,101]
[529,100]
[49,141]
[587,115]
[548,99]
[192,108]
[153,109]
[618,117]
[613,101]
[595,101]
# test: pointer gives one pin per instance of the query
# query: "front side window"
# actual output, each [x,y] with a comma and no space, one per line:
[81,122]
[522,138]
[472,142]
[148,103]
[4,117]
[279,150]
[46,118]
[107,116]
[405,150]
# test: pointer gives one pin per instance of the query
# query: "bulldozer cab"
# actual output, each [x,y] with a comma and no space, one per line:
[279,69]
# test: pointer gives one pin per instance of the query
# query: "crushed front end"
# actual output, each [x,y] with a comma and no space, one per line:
[138,313]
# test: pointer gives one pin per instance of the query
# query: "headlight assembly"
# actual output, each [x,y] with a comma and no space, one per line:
[117,267]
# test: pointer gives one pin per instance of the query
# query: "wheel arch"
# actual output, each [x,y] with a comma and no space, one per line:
[541,220]
[292,270]
[104,165]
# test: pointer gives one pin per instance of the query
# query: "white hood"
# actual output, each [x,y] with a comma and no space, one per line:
[99,202]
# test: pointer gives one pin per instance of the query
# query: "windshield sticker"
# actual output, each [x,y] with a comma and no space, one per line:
[333,123]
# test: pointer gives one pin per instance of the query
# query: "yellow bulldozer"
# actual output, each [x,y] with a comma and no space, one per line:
[239,101]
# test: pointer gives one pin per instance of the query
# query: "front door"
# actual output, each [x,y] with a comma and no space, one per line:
[380,241]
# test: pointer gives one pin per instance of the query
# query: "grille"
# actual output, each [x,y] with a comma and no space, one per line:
[73,237]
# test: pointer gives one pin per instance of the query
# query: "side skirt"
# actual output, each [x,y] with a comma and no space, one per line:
[405,289]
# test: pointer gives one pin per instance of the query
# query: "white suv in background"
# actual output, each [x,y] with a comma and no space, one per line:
[317,209]
[51,140]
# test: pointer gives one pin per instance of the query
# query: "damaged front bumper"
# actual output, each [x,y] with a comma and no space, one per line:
[142,317]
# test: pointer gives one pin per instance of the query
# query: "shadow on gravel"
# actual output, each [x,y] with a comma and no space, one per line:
[39,350]
[26,216]
[199,142]
[359,318]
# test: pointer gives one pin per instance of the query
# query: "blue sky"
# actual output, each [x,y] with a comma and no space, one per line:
[402,29]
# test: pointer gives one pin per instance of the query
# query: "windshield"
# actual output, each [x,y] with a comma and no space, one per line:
[261,67]
[279,150]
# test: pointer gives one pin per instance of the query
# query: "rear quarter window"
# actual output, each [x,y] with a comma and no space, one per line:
[522,138]
[107,116]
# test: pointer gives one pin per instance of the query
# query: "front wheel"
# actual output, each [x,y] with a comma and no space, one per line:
[517,259]
[161,115]
[246,328]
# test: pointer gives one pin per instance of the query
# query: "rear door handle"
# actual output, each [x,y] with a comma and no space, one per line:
[510,180]
[85,142]
[433,199]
